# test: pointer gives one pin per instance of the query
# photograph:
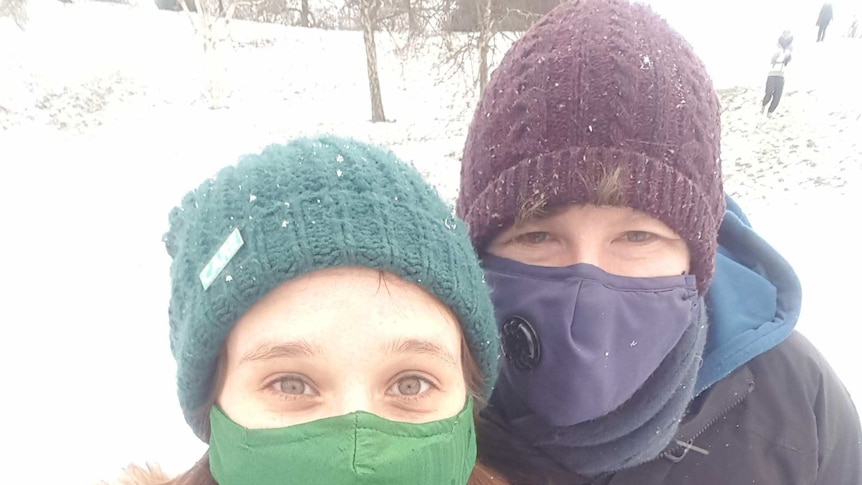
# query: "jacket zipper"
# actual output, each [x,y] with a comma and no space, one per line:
[687,446]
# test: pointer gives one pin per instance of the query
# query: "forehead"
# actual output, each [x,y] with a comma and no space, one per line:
[603,212]
[344,309]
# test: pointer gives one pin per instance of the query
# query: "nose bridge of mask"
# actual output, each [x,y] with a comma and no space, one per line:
[623,335]
[440,452]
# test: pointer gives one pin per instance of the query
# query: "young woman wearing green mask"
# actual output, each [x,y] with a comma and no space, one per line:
[330,324]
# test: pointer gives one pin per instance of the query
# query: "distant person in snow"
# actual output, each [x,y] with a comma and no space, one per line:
[823,21]
[775,79]
[647,329]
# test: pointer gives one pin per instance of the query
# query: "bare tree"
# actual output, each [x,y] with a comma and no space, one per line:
[411,16]
[486,37]
[368,15]
[477,28]
[211,20]
[304,14]
[472,51]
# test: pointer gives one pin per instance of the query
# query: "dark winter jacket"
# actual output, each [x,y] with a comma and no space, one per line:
[770,409]
[825,16]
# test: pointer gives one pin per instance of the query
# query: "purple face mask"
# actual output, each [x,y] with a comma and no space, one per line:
[579,341]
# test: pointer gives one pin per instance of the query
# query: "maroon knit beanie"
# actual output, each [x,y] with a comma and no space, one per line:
[596,86]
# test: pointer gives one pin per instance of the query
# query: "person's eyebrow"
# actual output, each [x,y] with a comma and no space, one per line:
[636,216]
[651,223]
[554,211]
[542,214]
[417,346]
[268,351]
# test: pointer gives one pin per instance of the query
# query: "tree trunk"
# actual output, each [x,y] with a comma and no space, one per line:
[368,16]
[411,16]
[210,23]
[304,14]
[486,35]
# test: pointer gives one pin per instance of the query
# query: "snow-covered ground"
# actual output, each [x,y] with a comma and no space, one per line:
[102,130]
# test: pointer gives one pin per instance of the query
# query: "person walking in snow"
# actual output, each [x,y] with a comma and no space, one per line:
[775,78]
[329,323]
[823,21]
[647,329]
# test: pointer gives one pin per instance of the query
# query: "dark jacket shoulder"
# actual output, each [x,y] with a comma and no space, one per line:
[783,418]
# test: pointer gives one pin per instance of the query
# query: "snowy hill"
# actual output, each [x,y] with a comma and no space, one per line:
[102,130]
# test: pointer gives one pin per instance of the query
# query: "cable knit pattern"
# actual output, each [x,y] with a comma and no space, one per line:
[307,205]
[594,86]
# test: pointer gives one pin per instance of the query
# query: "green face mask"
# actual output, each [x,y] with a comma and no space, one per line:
[357,448]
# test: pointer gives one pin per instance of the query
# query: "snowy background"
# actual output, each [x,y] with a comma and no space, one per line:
[102,130]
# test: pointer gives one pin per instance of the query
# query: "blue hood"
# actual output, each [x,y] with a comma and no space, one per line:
[753,303]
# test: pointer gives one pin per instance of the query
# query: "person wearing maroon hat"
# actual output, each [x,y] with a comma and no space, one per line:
[648,331]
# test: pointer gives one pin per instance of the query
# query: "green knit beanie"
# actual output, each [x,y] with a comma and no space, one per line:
[296,208]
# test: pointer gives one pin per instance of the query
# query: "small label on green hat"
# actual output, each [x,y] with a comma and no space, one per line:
[222,257]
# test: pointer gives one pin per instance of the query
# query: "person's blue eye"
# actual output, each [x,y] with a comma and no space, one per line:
[293,386]
[410,386]
[532,238]
[638,236]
